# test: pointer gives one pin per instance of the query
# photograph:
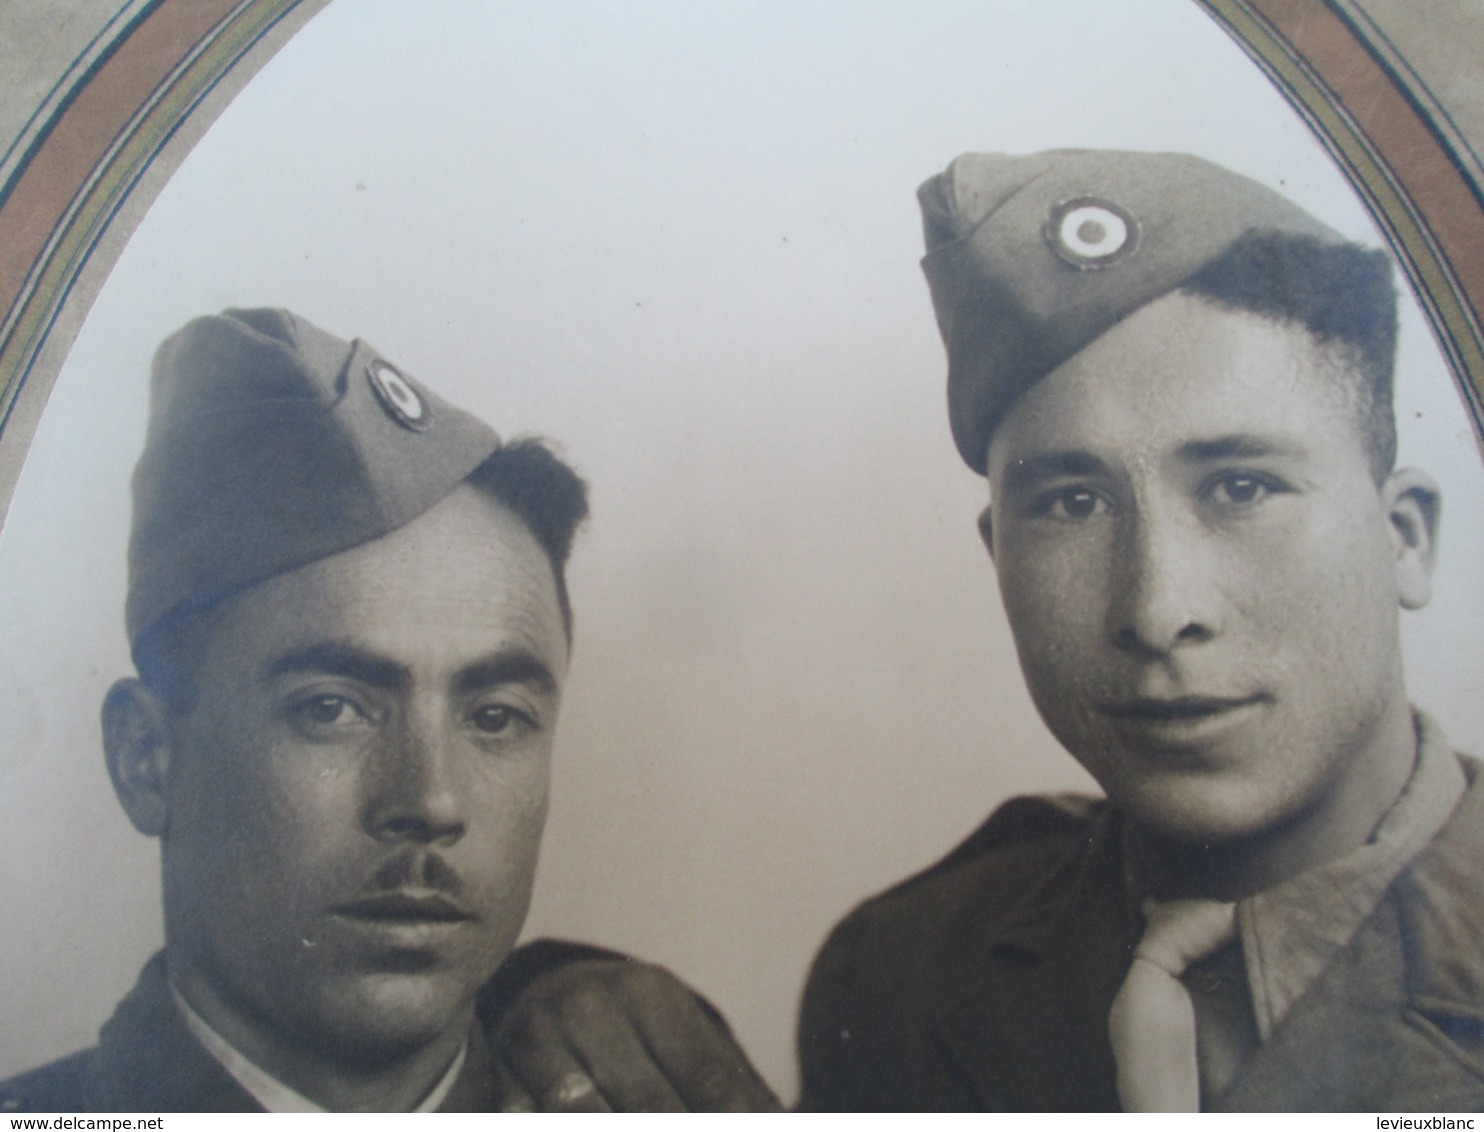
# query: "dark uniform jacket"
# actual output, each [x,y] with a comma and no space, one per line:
[146,1060]
[985,982]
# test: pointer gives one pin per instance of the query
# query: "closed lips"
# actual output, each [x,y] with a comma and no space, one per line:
[405,906]
[1179,708]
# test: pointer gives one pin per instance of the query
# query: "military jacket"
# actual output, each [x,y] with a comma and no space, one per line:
[146,1060]
[985,982]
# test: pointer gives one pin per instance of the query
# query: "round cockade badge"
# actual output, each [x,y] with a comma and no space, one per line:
[396,395]
[1090,233]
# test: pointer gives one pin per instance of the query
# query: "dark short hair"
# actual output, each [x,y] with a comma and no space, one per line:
[526,476]
[546,494]
[1341,293]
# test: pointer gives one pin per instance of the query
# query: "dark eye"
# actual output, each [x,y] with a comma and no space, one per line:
[1070,503]
[329,711]
[1242,489]
[1079,504]
[498,719]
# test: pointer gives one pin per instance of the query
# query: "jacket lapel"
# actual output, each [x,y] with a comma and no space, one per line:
[1030,1031]
[1397,1019]
[148,1060]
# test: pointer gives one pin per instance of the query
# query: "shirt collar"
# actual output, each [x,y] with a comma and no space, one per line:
[1291,931]
[267,1089]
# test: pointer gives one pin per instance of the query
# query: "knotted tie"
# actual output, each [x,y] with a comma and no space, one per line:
[1152,1023]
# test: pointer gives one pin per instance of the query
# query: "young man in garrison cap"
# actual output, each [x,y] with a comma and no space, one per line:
[348,610]
[1178,386]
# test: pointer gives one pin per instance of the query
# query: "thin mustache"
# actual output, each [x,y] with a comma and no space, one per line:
[1159,709]
[419,870]
[413,885]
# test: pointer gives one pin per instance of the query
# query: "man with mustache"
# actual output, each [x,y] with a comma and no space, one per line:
[348,612]
[1179,388]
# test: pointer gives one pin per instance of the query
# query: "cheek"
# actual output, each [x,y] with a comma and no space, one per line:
[1321,596]
[1055,601]
[510,804]
[216,795]
[265,817]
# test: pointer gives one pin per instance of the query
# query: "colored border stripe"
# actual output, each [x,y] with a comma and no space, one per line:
[39,125]
[96,152]
[88,128]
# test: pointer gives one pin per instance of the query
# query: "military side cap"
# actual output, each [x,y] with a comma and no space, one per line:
[1030,258]
[273,444]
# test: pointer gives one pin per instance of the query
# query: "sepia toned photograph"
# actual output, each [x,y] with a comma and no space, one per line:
[883,557]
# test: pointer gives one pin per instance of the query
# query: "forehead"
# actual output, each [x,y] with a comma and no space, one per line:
[465,578]
[1183,369]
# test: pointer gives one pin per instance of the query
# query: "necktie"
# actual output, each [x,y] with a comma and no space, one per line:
[1152,1023]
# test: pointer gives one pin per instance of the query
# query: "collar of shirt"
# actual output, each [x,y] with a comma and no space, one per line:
[1290,932]
[267,1089]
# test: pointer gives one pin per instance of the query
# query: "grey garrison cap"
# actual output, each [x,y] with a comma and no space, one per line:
[1030,258]
[273,444]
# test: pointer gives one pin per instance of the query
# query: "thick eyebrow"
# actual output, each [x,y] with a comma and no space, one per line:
[1032,470]
[515,666]
[335,658]
[1239,446]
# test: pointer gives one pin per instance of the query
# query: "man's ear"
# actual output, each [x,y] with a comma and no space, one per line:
[986,529]
[1413,504]
[136,746]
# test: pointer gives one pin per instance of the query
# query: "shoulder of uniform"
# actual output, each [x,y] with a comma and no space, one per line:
[1031,817]
[891,959]
[1022,840]
[1019,822]
[58,1086]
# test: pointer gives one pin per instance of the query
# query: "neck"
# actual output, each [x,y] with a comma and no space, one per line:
[338,1079]
[1372,776]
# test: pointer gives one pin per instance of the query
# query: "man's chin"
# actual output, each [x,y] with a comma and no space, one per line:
[389,1016]
[1203,813]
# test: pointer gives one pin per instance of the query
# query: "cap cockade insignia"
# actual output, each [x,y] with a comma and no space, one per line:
[1090,233]
[397,396]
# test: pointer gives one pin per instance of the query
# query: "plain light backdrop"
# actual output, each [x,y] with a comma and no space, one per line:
[682,240]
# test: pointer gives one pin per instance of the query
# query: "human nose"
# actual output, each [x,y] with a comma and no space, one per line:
[1164,587]
[416,791]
